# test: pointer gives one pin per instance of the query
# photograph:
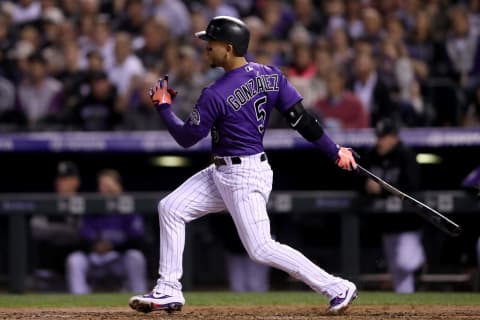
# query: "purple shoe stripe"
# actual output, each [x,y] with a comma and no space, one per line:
[337,300]
[150,295]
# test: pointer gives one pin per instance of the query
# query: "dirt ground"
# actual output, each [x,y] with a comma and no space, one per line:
[413,312]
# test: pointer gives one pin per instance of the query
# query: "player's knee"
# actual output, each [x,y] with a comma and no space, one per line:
[164,207]
[261,252]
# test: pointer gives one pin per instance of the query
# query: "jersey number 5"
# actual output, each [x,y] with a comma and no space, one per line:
[260,112]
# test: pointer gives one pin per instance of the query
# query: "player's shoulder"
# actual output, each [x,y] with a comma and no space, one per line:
[266,69]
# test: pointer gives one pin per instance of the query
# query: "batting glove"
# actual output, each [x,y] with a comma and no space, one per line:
[161,95]
[346,160]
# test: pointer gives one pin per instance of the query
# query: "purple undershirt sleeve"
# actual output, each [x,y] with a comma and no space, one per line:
[326,144]
[176,127]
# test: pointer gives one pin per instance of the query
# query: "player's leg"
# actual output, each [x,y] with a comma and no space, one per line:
[405,255]
[194,198]
[257,276]
[77,266]
[135,267]
[245,189]
[237,272]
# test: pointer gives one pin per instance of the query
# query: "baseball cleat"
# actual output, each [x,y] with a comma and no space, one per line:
[156,302]
[341,302]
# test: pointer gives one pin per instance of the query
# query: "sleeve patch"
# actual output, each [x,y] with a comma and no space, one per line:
[194,118]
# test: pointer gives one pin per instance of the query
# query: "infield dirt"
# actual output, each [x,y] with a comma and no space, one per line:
[361,312]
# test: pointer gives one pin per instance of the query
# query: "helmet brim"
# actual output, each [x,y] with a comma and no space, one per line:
[202,35]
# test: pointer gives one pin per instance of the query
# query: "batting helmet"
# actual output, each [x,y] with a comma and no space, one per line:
[227,29]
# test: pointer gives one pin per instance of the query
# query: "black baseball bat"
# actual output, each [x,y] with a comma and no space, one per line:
[428,213]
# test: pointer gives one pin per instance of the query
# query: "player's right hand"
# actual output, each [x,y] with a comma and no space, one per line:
[346,160]
[161,95]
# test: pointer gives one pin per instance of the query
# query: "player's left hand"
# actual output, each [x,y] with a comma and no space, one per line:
[346,160]
[161,95]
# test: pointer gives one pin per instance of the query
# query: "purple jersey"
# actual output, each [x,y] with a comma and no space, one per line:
[116,228]
[237,106]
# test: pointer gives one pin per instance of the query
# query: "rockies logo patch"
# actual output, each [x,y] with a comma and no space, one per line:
[194,117]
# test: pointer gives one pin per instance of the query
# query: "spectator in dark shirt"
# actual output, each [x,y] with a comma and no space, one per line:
[96,111]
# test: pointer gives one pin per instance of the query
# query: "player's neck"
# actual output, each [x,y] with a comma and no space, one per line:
[235,63]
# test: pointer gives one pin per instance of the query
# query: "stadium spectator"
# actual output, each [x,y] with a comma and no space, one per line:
[174,14]
[141,115]
[97,111]
[353,17]
[432,32]
[25,11]
[419,45]
[40,96]
[111,247]
[278,18]
[463,48]
[156,37]
[302,70]
[213,8]
[132,20]
[72,76]
[472,115]
[187,79]
[10,118]
[341,109]
[257,32]
[308,15]
[372,91]
[342,52]
[127,69]
[373,30]
[335,11]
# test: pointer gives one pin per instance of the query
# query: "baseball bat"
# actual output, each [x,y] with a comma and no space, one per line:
[428,213]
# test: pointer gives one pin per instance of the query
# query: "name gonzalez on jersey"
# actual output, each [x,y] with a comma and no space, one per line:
[262,83]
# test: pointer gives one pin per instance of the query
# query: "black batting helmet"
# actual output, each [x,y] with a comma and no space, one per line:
[227,29]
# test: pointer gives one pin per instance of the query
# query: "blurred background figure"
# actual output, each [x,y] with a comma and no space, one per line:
[394,162]
[7,104]
[40,96]
[111,257]
[142,115]
[55,236]
[341,109]
[97,111]
[188,80]
[244,274]
[472,115]
[370,88]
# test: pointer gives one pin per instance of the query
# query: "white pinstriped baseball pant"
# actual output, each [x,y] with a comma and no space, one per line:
[243,189]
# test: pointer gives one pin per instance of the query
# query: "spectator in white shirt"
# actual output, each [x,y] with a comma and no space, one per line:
[127,68]
[26,11]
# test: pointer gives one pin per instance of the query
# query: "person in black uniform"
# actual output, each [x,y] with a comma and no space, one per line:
[395,162]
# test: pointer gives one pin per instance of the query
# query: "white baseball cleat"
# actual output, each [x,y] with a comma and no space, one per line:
[155,301]
[341,302]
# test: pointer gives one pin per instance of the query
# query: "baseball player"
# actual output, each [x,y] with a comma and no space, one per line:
[235,109]
[395,162]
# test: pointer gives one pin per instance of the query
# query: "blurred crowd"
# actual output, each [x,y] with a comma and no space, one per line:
[88,64]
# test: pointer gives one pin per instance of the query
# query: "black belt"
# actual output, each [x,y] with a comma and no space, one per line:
[234,160]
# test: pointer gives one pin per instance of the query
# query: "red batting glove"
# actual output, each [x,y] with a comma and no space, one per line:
[345,160]
[161,95]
